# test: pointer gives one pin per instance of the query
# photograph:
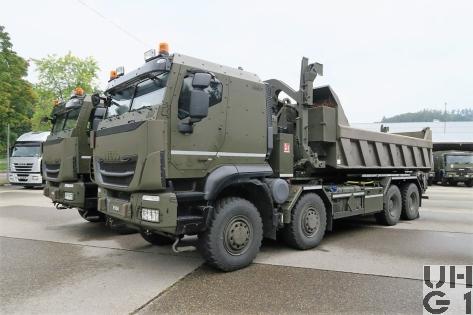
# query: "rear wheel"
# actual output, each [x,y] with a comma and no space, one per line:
[156,239]
[410,202]
[234,235]
[392,207]
[308,223]
[91,216]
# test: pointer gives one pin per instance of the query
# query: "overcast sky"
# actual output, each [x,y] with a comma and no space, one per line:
[381,57]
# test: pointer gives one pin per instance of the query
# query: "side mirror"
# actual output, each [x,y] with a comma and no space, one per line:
[201,80]
[95,99]
[198,109]
[99,113]
[199,105]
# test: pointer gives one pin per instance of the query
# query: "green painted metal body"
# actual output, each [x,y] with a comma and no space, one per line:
[453,166]
[144,152]
[67,158]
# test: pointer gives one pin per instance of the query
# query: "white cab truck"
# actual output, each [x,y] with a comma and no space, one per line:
[25,160]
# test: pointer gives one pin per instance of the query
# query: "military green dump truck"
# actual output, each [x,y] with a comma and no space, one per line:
[452,167]
[190,147]
[67,156]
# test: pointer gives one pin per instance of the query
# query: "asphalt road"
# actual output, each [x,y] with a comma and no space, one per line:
[54,262]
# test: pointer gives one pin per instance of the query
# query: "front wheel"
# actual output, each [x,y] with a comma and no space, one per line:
[392,207]
[234,235]
[155,239]
[308,223]
[469,183]
[91,216]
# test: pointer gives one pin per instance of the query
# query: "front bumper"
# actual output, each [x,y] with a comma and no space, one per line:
[130,210]
[25,179]
[454,177]
[72,195]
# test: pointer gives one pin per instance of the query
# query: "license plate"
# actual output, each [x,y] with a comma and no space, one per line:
[115,208]
[68,196]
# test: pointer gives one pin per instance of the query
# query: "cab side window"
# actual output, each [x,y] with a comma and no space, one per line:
[215,91]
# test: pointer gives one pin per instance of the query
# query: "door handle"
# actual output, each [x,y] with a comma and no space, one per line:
[206,159]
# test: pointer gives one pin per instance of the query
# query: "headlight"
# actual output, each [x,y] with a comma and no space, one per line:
[150,215]
[68,196]
[150,198]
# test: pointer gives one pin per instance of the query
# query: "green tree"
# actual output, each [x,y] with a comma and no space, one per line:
[428,115]
[16,94]
[57,78]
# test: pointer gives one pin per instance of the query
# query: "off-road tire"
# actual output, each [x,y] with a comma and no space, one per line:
[469,183]
[392,207]
[410,201]
[97,216]
[156,239]
[308,223]
[234,223]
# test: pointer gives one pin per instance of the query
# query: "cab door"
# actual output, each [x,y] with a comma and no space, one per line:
[193,154]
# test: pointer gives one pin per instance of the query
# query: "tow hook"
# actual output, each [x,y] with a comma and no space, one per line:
[59,206]
[183,248]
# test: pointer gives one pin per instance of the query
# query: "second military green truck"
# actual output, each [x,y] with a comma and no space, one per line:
[191,147]
[67,156]
[452,167]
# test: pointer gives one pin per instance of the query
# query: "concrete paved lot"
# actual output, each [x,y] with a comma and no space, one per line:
[54,262]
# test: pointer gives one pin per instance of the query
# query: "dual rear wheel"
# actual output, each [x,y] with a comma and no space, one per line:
[399,204]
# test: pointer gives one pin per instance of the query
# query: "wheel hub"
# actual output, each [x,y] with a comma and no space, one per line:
[310,222]
[237,236]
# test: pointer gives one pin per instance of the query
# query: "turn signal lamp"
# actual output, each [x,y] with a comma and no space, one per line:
[164,48]
[79,91]
[113,74]
[150,54]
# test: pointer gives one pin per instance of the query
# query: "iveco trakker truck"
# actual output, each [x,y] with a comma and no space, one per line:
[25,160]
[191,147]
[67,156]
[452,167]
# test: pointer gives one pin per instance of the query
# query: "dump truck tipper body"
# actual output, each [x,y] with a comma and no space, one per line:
[452,167]
[190,147]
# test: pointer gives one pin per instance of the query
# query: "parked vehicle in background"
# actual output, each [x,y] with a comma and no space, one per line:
[67,156]
[25,160]
[452,167]
[190,147]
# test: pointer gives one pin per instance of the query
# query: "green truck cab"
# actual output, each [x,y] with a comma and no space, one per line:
[452,167]
[191,147]
[67,156]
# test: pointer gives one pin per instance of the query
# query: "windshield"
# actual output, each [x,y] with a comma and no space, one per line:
[459,159]
[66,121]
[26,150]
[149,92]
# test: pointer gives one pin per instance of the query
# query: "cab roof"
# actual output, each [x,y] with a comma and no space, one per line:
[33,136]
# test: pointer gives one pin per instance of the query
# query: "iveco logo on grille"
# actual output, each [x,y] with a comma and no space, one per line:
[112,156]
